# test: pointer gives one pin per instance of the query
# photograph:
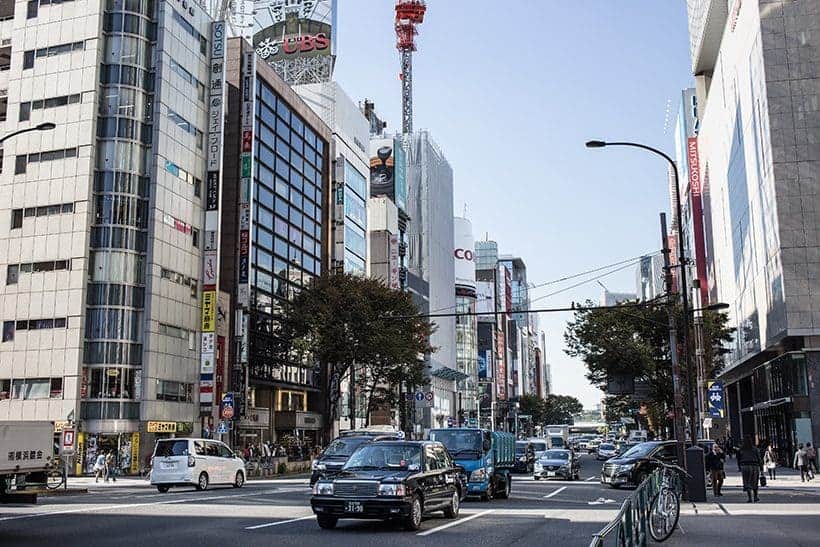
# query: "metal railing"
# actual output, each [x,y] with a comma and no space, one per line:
[630,527]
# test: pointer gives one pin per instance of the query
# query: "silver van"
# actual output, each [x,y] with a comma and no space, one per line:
[195,462]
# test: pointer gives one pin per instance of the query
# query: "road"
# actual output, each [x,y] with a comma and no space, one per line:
[561,512]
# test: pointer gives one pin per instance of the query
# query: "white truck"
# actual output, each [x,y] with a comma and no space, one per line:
[25,448]
[557,435]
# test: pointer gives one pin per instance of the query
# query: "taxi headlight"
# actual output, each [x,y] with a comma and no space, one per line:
[391,490]
[323,489]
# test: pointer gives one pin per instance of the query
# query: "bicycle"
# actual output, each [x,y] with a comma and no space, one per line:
[665,507]
[56,476]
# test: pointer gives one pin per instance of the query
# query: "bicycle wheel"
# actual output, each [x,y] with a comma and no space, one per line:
[664,515]
[55,479]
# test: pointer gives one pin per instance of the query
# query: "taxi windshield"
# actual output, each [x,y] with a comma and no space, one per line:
[385,457]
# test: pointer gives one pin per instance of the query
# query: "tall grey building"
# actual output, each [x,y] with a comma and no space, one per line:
[101,247]
[756,73]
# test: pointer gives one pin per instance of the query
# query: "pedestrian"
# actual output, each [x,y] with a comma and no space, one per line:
[800,460]
[109,465]
[770,461]
[99,467]
[749,464]
[714,464]
[811,459]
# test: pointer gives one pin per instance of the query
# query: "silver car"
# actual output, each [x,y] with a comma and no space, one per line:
[557,463]
[606,451]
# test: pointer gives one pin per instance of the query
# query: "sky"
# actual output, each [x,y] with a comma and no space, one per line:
[511,90]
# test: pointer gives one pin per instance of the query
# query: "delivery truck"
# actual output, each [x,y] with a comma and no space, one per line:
[26,449]
[486,456]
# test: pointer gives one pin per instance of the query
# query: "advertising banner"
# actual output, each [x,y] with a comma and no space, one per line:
[245,183]
[485,345]
[464,256]
[714,391]
[287,32]
[210,242]
[485,300]
[208,311]
[382,169]
[500,367]
[394,262]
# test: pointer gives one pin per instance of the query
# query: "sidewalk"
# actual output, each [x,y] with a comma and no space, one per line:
[788,514]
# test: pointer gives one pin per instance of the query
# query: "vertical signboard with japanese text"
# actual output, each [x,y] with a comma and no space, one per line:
[210,240]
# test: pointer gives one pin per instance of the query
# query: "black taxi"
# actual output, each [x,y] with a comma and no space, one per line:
[390,480]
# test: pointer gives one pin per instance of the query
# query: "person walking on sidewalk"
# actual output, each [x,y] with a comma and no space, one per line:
[99,467]
[749,464]
[714,464]
[800,460]
[811,459]
[770,461]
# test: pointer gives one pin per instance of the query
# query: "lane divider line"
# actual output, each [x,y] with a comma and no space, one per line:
[278,522]
[556,492]
[454,523]
[591,478]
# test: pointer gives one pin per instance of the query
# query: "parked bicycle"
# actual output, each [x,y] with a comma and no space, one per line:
[665,507]
[56,476]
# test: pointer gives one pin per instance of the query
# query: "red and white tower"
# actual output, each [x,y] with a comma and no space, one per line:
[409,13]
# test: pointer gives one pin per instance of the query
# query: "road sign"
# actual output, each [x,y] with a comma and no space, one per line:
[419,396]
[450,422]
[67,444]
[222,429]
[714,393]
[707,423]
[409,395]
[429,395]
[227,406]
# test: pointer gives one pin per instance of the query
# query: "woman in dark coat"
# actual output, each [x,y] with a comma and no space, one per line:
[750,464]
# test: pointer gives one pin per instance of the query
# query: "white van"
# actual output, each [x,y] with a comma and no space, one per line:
[197,462]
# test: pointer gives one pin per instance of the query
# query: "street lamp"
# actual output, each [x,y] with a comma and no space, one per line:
[45,126]
[683,288]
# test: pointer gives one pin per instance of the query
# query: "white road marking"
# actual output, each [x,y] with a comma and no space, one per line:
[277,523]
[454,523]
[556,492]
[96,508]
[591,478]
[600,501]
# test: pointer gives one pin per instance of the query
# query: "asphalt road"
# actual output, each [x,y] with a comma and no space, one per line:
[563,513]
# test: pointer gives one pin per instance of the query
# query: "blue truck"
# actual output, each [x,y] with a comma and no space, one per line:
[486,456]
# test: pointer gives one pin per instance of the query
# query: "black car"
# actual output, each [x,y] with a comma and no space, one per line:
[391,480]
[331,460]
[524,457]
[634,465]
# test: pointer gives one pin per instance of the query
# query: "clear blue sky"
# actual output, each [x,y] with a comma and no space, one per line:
[511,90]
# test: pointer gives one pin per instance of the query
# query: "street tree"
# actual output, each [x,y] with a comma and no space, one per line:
[552,409]
[634,342]
[348,323]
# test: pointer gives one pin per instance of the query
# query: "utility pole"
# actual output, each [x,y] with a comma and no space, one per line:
[677,402]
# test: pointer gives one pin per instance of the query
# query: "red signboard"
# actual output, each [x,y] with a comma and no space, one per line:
[243,242]
[247,141]
[501,368]
[695,195]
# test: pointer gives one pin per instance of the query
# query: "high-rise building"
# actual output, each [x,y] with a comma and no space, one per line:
[519,333]
[466,325]
[649,277]
[755,65]
[274,240]
[102,250]
[431,275]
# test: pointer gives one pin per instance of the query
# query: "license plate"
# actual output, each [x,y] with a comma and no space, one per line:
[550,473]
[168,465]
[354,507]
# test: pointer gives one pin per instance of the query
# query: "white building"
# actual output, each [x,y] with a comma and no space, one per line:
[100,253]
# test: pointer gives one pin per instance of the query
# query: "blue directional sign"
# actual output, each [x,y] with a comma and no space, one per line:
[222,429]
[714,394]
[419,395]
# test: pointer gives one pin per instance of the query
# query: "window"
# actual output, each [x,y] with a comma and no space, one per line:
[22,161]
[181,173]
[51,51]
[5,389]
[195,237]
[16,219]
[8,331]
[179,392]
[53,102]
[32,388]
[189,28]
[17,215]
[28,59]
[5,55]
[12,274]
[31,9]
[4,105]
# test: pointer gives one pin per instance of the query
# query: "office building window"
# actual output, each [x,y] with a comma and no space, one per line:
[37,388]
[5,55]
[23,160]
[179,392]
[50,51]
[17,215]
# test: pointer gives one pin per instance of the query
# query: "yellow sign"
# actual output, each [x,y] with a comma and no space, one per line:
[208,311]
[135,453]
[79,456]
[162,427]
[59,425]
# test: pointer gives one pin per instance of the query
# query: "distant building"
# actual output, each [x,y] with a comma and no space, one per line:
[609,298]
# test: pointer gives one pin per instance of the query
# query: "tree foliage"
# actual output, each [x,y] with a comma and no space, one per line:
[342,320]
[552,409]
[635,341]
